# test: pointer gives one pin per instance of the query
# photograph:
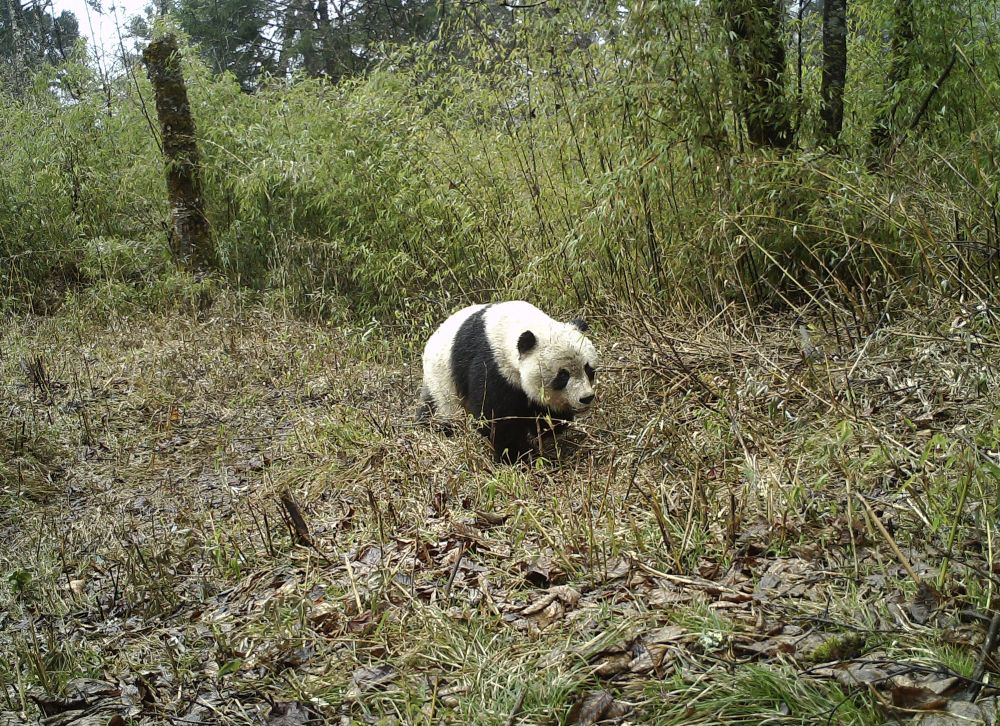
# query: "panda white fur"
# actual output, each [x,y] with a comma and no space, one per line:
[509,365]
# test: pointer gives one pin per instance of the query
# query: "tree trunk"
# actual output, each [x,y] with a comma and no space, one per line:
[190,240]
[834,67]
[901,36]
[757,54]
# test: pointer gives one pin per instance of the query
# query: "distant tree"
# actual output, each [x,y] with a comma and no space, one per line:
[314,41]
[334,38]
[834,67]
[757,55]
[902,35]
[232,35]
[329,38]
[30,36]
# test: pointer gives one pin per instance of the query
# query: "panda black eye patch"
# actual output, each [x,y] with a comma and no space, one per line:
[589,370]
[560,380]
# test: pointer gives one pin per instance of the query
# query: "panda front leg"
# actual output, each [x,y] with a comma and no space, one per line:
[510,441]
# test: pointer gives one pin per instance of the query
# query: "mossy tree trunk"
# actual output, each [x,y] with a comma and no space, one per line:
[190,239]
[834,68]
[757,55]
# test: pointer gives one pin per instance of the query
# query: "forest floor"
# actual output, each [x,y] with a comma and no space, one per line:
[762,521]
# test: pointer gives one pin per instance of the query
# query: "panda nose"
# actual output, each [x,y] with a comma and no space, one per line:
[587,400]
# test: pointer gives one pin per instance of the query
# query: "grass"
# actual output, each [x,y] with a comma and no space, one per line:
[741,506]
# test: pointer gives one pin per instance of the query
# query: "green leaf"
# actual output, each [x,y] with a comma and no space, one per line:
[230,667]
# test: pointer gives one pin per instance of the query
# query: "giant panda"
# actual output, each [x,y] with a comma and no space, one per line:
[512,367]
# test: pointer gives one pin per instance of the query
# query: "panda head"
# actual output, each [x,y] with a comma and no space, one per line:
[557,365]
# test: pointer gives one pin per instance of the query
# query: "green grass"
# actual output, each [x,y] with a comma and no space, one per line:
[147,543]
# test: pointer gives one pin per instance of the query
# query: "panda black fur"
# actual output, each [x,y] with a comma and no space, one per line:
[509,365]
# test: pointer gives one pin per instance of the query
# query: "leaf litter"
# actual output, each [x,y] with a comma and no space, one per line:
[682,537]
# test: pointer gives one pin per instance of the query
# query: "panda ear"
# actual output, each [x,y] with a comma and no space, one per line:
[526,342]
[580,324]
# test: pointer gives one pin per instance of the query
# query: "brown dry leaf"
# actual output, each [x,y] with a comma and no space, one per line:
[643,661]
[662,655]
[925,602]
[666,634]
[101,715]
[370,556]
[853,675]
[326,618]
[467,532]
[492,519]
[550,607]
[368,678]
[204,709]
[924,692]
[617,570]
[670,595]
[785,577]
[611,662]
[293,713]
[561,593]
[595,708]
[754,539]
[543,572]
[769,647]
[81,693]
[543,618]
[361,623]
[962,713]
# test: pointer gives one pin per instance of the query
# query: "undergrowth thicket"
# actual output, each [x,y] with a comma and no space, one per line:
[572,157]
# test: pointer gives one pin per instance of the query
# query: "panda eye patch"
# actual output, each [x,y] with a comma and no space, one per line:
[560,380]
[589,370]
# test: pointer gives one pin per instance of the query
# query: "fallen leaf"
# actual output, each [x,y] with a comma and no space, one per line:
[617,570]
[854,674]
[492,519]
[80,693]
[366,679]
[670,595]
[230,666]
[595,708]
[925,602]
[326,618]
[767,648]
[963,713]
[666,634]
[288,714]
[924,692]
[467,532]
[540,572]
[611,663]
[562,593]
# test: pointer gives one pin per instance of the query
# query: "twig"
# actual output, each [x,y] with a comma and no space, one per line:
[300,529]
[933,90]
[518,704]
[454,570]
[891,542]
[989,645]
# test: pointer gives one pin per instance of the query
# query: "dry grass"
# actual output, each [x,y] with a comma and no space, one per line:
[751,498]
